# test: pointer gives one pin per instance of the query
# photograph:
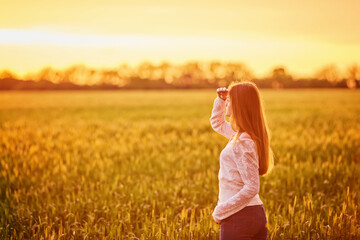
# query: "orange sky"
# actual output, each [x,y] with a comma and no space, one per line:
[301,35]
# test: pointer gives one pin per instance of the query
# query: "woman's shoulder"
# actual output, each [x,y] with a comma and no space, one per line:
[243,143]
[244,139]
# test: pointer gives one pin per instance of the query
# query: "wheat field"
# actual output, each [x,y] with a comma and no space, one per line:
[144,164]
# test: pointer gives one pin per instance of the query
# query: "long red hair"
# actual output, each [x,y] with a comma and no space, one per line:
[248,116]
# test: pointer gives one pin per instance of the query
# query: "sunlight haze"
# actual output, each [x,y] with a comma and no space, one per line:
[303,36]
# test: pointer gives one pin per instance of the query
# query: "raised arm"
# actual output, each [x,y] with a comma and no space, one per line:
[248,166]
[217,119]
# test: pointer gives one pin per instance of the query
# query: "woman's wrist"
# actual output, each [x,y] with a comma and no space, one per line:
[221,98]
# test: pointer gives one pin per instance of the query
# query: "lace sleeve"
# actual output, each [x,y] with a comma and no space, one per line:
[217,119]
[248,165]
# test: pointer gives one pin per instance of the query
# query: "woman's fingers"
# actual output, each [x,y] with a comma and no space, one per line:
[222,92]
[223,89]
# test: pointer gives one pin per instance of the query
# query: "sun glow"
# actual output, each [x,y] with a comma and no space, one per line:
[260,34]
[35,37]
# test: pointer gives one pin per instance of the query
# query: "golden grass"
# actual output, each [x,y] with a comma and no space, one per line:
[144,164]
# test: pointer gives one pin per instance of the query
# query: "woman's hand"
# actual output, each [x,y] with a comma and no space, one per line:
[222,93]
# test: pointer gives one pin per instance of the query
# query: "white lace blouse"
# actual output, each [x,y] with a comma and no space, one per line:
[239,168]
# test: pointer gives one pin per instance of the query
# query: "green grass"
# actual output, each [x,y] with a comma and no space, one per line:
[144,164]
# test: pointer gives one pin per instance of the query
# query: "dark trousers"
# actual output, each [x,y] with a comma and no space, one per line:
[248,223]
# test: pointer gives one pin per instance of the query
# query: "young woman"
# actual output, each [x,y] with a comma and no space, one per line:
[247,156]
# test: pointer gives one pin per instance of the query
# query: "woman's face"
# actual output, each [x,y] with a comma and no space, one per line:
[228,107]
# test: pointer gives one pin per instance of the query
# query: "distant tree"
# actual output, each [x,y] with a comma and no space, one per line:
[218,73]
[110,77]
[166,72]
[124,72]
[194,75]
[7,74]
[165,75]
[353,76]
[329,73]
[145,70]
[238,72]
[280,78]
[46,73]
[71,75]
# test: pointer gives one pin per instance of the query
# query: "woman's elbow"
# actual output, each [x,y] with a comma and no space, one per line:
[215,124]
[253,190]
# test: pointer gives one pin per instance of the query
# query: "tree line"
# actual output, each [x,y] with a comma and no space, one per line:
[168,76]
